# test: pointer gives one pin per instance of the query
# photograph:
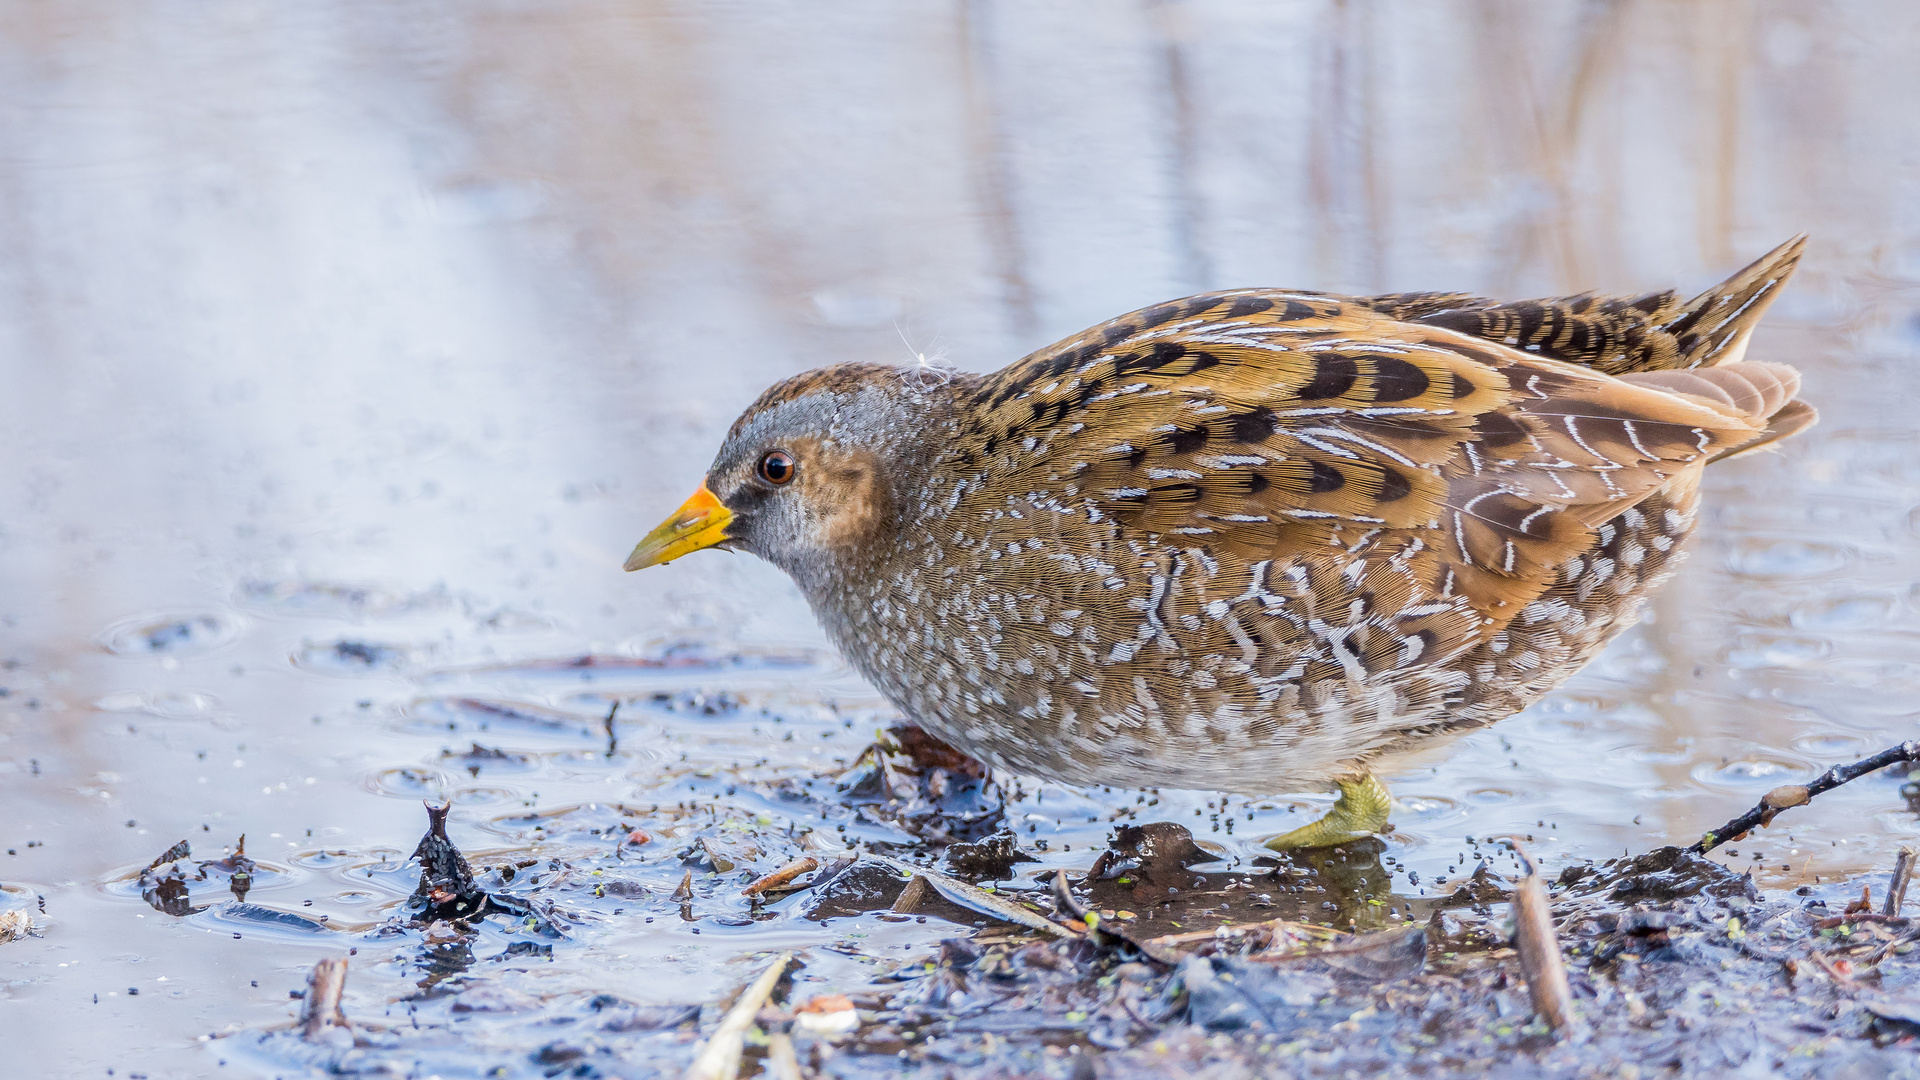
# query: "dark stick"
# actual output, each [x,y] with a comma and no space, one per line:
[613,741]
[1784,798]
[1897,887]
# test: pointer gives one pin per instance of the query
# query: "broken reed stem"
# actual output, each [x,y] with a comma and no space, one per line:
[1793,795]
[911,896]
[719,1059]
[321,1010]
[1539,948]
[782,1062]
[1897,888]
[794,869]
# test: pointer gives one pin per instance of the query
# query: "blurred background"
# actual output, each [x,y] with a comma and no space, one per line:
[410,318]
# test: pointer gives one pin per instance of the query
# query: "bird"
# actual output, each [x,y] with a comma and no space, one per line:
[1254,540]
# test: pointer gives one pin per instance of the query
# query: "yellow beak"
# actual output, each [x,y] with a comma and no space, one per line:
[700,522]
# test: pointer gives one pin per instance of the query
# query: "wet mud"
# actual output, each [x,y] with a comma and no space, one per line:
[1161,958]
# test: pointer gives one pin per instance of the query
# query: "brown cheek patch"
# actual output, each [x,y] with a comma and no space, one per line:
[854,497]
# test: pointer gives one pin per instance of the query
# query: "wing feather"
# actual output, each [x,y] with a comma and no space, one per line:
[1274,425]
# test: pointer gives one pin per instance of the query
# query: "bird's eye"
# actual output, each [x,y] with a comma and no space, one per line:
[777,467]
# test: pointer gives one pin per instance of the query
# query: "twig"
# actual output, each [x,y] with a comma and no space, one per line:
[1897,888]
[1273,929]
[1841,979]
[1106,933]
[1539,947]
[977,899]
[1890,945]
[1784,798]
[783,875]
[321,1010]
[719,1059]
[1354,946]
[1859,918]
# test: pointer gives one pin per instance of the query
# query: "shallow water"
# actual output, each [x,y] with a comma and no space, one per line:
[348,351]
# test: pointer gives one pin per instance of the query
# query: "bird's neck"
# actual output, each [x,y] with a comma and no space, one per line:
[864,595]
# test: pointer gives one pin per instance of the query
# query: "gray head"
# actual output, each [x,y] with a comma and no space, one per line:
[815,476]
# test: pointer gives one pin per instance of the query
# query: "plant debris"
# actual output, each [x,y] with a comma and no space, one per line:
[1157,954]
[719,1059]
[16,924]
[448,895]
[167,887]
[447,889]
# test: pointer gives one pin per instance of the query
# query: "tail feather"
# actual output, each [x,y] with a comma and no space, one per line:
[1760,393]
[1793,418]
[1713,328]
[1615,334]
[1751,390]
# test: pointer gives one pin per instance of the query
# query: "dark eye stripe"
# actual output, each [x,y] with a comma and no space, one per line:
[777,467]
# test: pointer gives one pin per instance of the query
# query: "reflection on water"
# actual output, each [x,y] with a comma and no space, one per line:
[349,349]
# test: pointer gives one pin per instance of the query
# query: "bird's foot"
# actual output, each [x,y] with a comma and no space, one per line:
[1360,811]
[907,765]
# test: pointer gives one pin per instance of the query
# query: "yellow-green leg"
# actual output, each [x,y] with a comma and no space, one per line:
[1360,811]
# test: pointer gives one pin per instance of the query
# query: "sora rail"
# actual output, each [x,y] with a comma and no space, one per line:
[1251,540]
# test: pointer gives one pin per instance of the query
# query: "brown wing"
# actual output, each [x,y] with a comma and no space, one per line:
[1271,425]
[1615,334]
